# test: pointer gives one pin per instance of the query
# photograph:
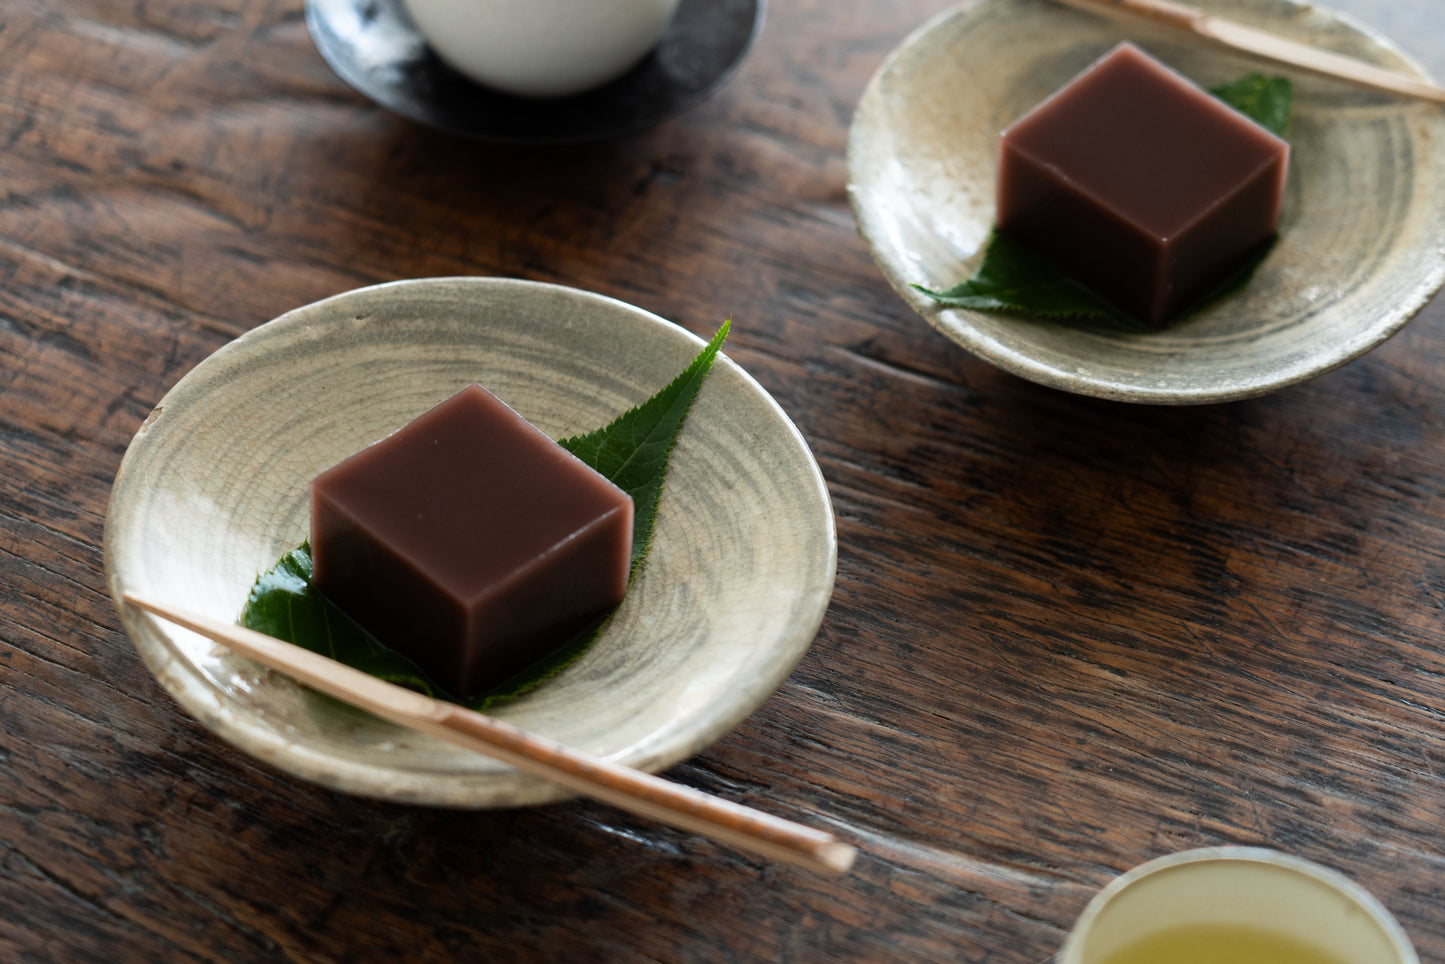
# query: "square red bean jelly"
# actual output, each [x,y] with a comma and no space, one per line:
[469,541]
[1139,184]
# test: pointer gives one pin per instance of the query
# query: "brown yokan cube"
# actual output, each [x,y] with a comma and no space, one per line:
[1139,184]
[470,541]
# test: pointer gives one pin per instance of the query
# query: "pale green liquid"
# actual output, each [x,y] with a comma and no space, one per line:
[1220,944]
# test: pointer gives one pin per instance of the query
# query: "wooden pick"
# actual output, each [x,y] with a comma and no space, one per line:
[1228,35]
[623,787]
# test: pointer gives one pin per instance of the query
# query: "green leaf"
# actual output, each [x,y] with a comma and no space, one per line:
[1011,279]
[1267,100]
[633,451]
[284,604]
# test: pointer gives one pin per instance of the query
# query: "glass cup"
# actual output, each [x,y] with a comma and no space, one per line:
[1206,893]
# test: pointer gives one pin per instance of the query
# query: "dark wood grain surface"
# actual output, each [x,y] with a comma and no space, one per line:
[1067,635]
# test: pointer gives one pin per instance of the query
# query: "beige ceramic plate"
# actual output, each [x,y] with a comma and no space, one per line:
[1362,244]
[213,490]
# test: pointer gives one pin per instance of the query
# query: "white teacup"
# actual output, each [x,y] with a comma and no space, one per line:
[542,48]
[1260,890]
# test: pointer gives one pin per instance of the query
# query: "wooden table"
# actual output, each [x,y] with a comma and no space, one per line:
[1067,635]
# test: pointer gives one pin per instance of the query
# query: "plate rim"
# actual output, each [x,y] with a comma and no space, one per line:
[223,714]
[979,344]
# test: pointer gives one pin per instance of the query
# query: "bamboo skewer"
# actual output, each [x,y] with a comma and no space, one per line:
[1228,35]
[623,787]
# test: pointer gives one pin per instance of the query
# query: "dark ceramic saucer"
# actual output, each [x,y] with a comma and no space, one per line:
[374,47]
